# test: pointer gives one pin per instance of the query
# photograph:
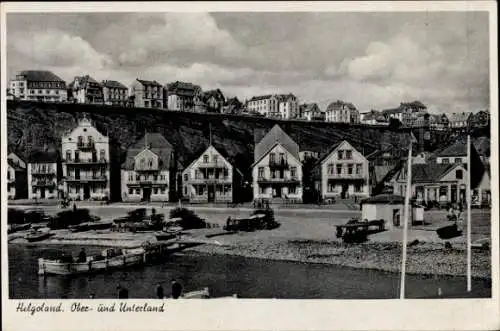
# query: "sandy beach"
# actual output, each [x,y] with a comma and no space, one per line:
[309,237]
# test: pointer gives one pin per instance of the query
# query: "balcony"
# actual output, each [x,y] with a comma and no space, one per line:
[278,164]
[147,182]
[146,169]
[43,183]
[345,175]
[212,164]
[210,180]
[285,180]
[82,145]
[85,179]
[43,172]
[86,162]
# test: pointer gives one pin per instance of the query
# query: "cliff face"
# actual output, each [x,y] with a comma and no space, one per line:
[31,126]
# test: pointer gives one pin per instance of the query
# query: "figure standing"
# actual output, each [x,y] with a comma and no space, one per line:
[159,291]
[176,289]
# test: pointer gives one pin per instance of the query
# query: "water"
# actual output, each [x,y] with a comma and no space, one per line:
[226,275]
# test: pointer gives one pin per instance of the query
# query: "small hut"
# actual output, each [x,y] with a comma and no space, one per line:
[389,207]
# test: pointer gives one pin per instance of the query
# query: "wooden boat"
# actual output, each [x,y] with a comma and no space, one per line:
[101,225]
[38,235]
[18,227]
[165,235]
[80,227]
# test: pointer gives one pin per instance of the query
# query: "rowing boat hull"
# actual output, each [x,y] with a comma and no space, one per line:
[61,268]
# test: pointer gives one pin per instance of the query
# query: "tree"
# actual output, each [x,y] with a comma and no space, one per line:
[394,124]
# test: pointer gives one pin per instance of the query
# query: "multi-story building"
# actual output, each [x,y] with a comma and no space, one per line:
[460,121]
[277,170]
[183,96]
[343,172]
[342,112]
[373,117]
[43,175]
[311,112]
[85,89]
[407,112]
[38,85]
[438,122]
[149,170]
[86,163]
[147,94]
[264,105]
[211,178]
[115,93]
[288,107]
[16,177]
[214,100]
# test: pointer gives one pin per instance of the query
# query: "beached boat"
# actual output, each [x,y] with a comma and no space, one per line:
[38,235]
[18,227]
[166,235]
[101,225]
[80,227]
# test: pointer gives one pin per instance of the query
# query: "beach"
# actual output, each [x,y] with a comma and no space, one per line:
[308,236]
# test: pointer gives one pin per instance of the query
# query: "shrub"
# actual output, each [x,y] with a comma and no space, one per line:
[15,216]
[67,218]
[189,219]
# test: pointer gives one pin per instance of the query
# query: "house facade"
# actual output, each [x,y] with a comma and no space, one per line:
[342,112]
[43,175]
[264,105]
[343,173]
[311,112]
[86,163]
[460,121]
[11,180]
[210,178]
[146,94]
[17,184]
[38,85]
[277,170]
[85,89]
[438,122]
[183,96]
[114,93]
[214,101]
[288,107]
[149,170]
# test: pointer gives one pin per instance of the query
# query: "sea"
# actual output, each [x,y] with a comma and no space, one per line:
[225,276]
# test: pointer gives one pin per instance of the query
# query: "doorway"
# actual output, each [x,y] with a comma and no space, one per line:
[396,217]
[345,189]
[86,191]
[146,194]
[277,191]
[211,193]
[42,193]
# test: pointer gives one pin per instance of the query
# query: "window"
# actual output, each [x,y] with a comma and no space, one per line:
[292,190]
[445,161]
[137,177]
[350,168]
[142,163]
[130,176]
[77,156]
[459,174]
[358,168]
[130,191]
[261,190]
[150,163]
[339,169]
[348,155]
[282,157]
[339,155]
[293,172]
[137,191]
[458,160]
[80,140]
[205,158]
[186,177]
[90,140]
[215,157]
[185,190]
[330,169]
[358,188]
[261,172]
[226,172]
[272,157]
[200,190]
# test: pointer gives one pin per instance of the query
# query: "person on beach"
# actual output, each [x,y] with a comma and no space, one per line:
[159,291]
[82,257]
[176,289]
[122,292]
[92,296]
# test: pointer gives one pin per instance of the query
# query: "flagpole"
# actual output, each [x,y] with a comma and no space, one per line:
[468,192]
[405,224]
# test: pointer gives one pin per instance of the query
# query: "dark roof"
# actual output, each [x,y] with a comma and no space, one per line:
[415,103]
[274,136]
[182,88]
[309,107]
[149,82]
[14,165]
[113,84]
[340,103]
[157,144]
[457,148]
[40,76]
[260,97]
[390,199]
[460,117]
[430,172]
[391,111]
[43,157]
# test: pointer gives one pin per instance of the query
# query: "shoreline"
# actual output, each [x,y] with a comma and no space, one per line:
[426,258]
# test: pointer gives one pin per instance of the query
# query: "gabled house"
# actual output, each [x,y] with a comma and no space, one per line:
[214,100]
[438,122]
[85,89]
[460,121]
[211,178]
[149,172]
[38,85]
[146,94]
[17,184]
[277,170]
[311,112]
[342,112]
[115,93]
[342,172]
[183,96]
[43,171]
[456,152]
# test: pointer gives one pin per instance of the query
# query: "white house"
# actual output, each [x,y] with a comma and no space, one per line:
[86,163]
[343,172]
[342,112]
[210,178]
[42,175]
[147,94]
[16,177]
[38,85]
[277,170]
[147,170]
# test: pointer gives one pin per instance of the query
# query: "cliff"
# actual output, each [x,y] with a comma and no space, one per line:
[33,125]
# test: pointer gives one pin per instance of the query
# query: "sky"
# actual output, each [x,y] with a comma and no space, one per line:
[374,60]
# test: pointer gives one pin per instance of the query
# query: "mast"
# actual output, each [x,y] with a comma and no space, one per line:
[405,220]
[468,192]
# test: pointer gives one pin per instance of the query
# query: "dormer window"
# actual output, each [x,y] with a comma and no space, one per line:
[142,163]
[205,158]
[150,163]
